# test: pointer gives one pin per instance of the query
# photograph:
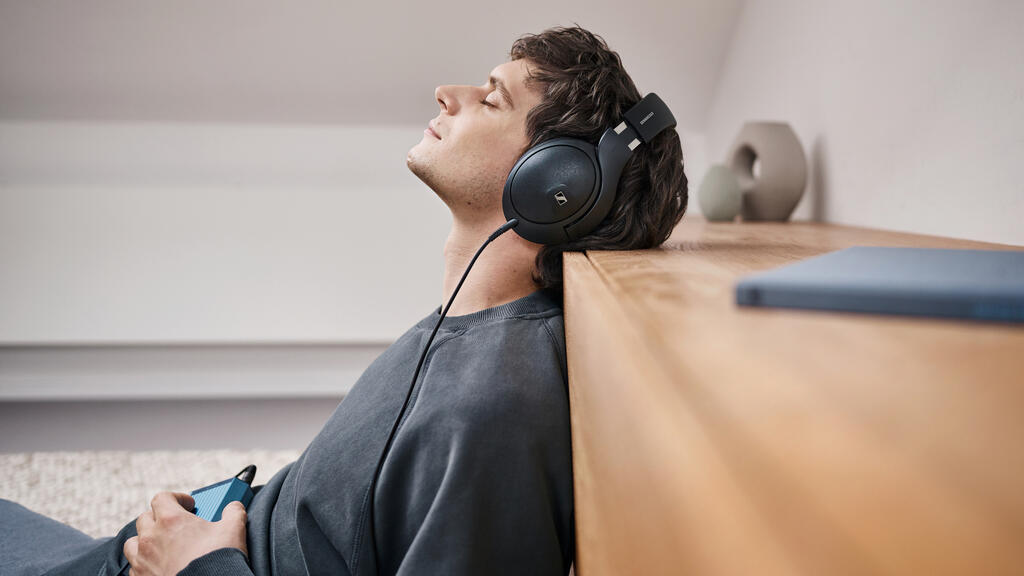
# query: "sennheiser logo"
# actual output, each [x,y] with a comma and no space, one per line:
[646,118]
[560,198]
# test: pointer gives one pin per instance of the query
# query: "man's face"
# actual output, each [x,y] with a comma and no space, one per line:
[482,136]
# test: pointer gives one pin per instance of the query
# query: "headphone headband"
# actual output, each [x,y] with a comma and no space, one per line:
[649,117]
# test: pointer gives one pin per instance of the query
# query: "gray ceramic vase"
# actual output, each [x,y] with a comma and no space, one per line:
[774,192]
[720,194]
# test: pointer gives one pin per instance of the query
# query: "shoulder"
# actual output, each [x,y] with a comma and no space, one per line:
[510,371]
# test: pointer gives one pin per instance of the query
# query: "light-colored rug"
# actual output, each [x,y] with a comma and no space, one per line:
[99,492]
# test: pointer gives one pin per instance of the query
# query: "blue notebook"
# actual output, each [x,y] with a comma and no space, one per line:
[977,284]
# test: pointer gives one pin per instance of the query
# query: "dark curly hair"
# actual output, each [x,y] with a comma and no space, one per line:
[585,90]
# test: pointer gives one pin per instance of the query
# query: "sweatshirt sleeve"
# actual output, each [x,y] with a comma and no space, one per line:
[221,562]
[479,480]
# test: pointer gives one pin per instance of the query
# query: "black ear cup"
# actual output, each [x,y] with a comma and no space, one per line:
[561,189]
[551,184]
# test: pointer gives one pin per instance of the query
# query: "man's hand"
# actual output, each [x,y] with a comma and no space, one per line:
[170,536]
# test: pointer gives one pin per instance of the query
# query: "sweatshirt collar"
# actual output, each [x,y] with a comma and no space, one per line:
[540,301]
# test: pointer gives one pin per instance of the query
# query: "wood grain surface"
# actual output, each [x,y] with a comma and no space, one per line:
[715,439]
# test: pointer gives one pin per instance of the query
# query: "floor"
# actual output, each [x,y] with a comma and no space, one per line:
[98,492]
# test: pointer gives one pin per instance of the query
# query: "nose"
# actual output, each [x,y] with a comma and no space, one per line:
[450,97]
[443,94]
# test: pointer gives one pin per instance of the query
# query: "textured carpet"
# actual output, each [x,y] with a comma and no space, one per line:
[99,492]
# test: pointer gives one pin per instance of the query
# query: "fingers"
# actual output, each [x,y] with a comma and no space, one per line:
[184,500]
[234,512]
[168,503]
[234,516]
[144,521]
[131,549]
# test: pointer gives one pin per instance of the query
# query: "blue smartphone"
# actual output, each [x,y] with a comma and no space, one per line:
[211,500]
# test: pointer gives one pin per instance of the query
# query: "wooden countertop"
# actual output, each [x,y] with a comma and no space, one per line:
[714,439]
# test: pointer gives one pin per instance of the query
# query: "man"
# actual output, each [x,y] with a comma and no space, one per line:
[479,476]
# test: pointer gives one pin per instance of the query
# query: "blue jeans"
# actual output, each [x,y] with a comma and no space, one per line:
[32,544]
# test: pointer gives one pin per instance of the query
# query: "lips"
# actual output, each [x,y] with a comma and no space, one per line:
[433,130]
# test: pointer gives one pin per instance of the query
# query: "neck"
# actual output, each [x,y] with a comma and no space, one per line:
[502,273]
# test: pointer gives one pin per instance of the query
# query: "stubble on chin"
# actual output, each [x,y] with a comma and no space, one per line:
[427,173]
[418,165]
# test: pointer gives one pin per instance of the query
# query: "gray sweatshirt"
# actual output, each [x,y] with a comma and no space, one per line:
[478,479]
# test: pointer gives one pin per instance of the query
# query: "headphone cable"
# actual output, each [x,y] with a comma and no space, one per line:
[512,223]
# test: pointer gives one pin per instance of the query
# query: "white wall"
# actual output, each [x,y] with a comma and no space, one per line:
[323,61]
[911,112]
[159,233]
[223,173]
[209,199]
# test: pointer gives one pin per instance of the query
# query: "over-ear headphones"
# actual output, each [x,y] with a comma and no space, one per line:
[561,189]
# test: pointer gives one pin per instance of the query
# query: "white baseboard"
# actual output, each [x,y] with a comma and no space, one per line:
[30,373]
[204,424]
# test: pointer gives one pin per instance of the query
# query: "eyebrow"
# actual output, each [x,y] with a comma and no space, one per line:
[502,89]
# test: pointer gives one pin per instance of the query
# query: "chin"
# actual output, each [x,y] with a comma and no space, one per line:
[414,156]
[419,167]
